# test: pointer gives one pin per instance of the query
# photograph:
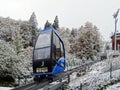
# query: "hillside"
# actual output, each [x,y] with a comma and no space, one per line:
[97,76]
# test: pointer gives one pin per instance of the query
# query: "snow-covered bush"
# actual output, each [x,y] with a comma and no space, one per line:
[8,60]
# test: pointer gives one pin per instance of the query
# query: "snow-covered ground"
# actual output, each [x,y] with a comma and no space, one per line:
[5,88]
[98,75]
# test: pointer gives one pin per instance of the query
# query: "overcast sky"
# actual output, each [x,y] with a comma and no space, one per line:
[71,13]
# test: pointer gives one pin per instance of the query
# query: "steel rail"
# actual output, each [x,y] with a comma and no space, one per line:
[33,85]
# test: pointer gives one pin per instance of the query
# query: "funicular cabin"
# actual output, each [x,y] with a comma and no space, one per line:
[48,54]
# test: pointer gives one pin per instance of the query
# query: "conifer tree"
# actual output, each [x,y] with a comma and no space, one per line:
[33,20]
[87,44]
[56,23]
[34,24]
[47,24]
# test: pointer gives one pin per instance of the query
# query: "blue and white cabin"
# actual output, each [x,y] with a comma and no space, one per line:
[48,54]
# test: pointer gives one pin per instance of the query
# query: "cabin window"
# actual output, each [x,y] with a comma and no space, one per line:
[43,53]
[61,50]
[43,40]
[42,47]
[57,50]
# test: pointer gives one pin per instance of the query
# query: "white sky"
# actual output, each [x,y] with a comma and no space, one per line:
[71,13]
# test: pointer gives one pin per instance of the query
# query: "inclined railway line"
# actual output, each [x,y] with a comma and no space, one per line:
[60,76]
[33,85]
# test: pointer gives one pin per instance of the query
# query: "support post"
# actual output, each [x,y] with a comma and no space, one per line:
[25,77]
[18,80]
[110,70]
[115,34]
[80,86]
[62,87]
[68,78]
[115,17]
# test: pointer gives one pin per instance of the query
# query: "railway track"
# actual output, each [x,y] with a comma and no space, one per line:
[60,76]
[33,85]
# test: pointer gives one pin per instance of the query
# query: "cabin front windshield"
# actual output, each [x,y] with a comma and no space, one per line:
[44,40]
[42,47]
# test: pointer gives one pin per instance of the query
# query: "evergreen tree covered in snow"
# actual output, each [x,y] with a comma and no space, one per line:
[47,24]
[65,34]
[17,43]
[56,23]
[34,24]
[8,60]
[87,43]
[74,32]
[33,20]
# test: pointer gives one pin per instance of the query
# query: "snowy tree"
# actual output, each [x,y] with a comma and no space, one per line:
[17,42]
[65,34]
[34,24]
[15,50]
[8,60]
[56,23]
[26,34]
[14,65]
[47,24]
[74,32]
[33,20]
[87,44]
